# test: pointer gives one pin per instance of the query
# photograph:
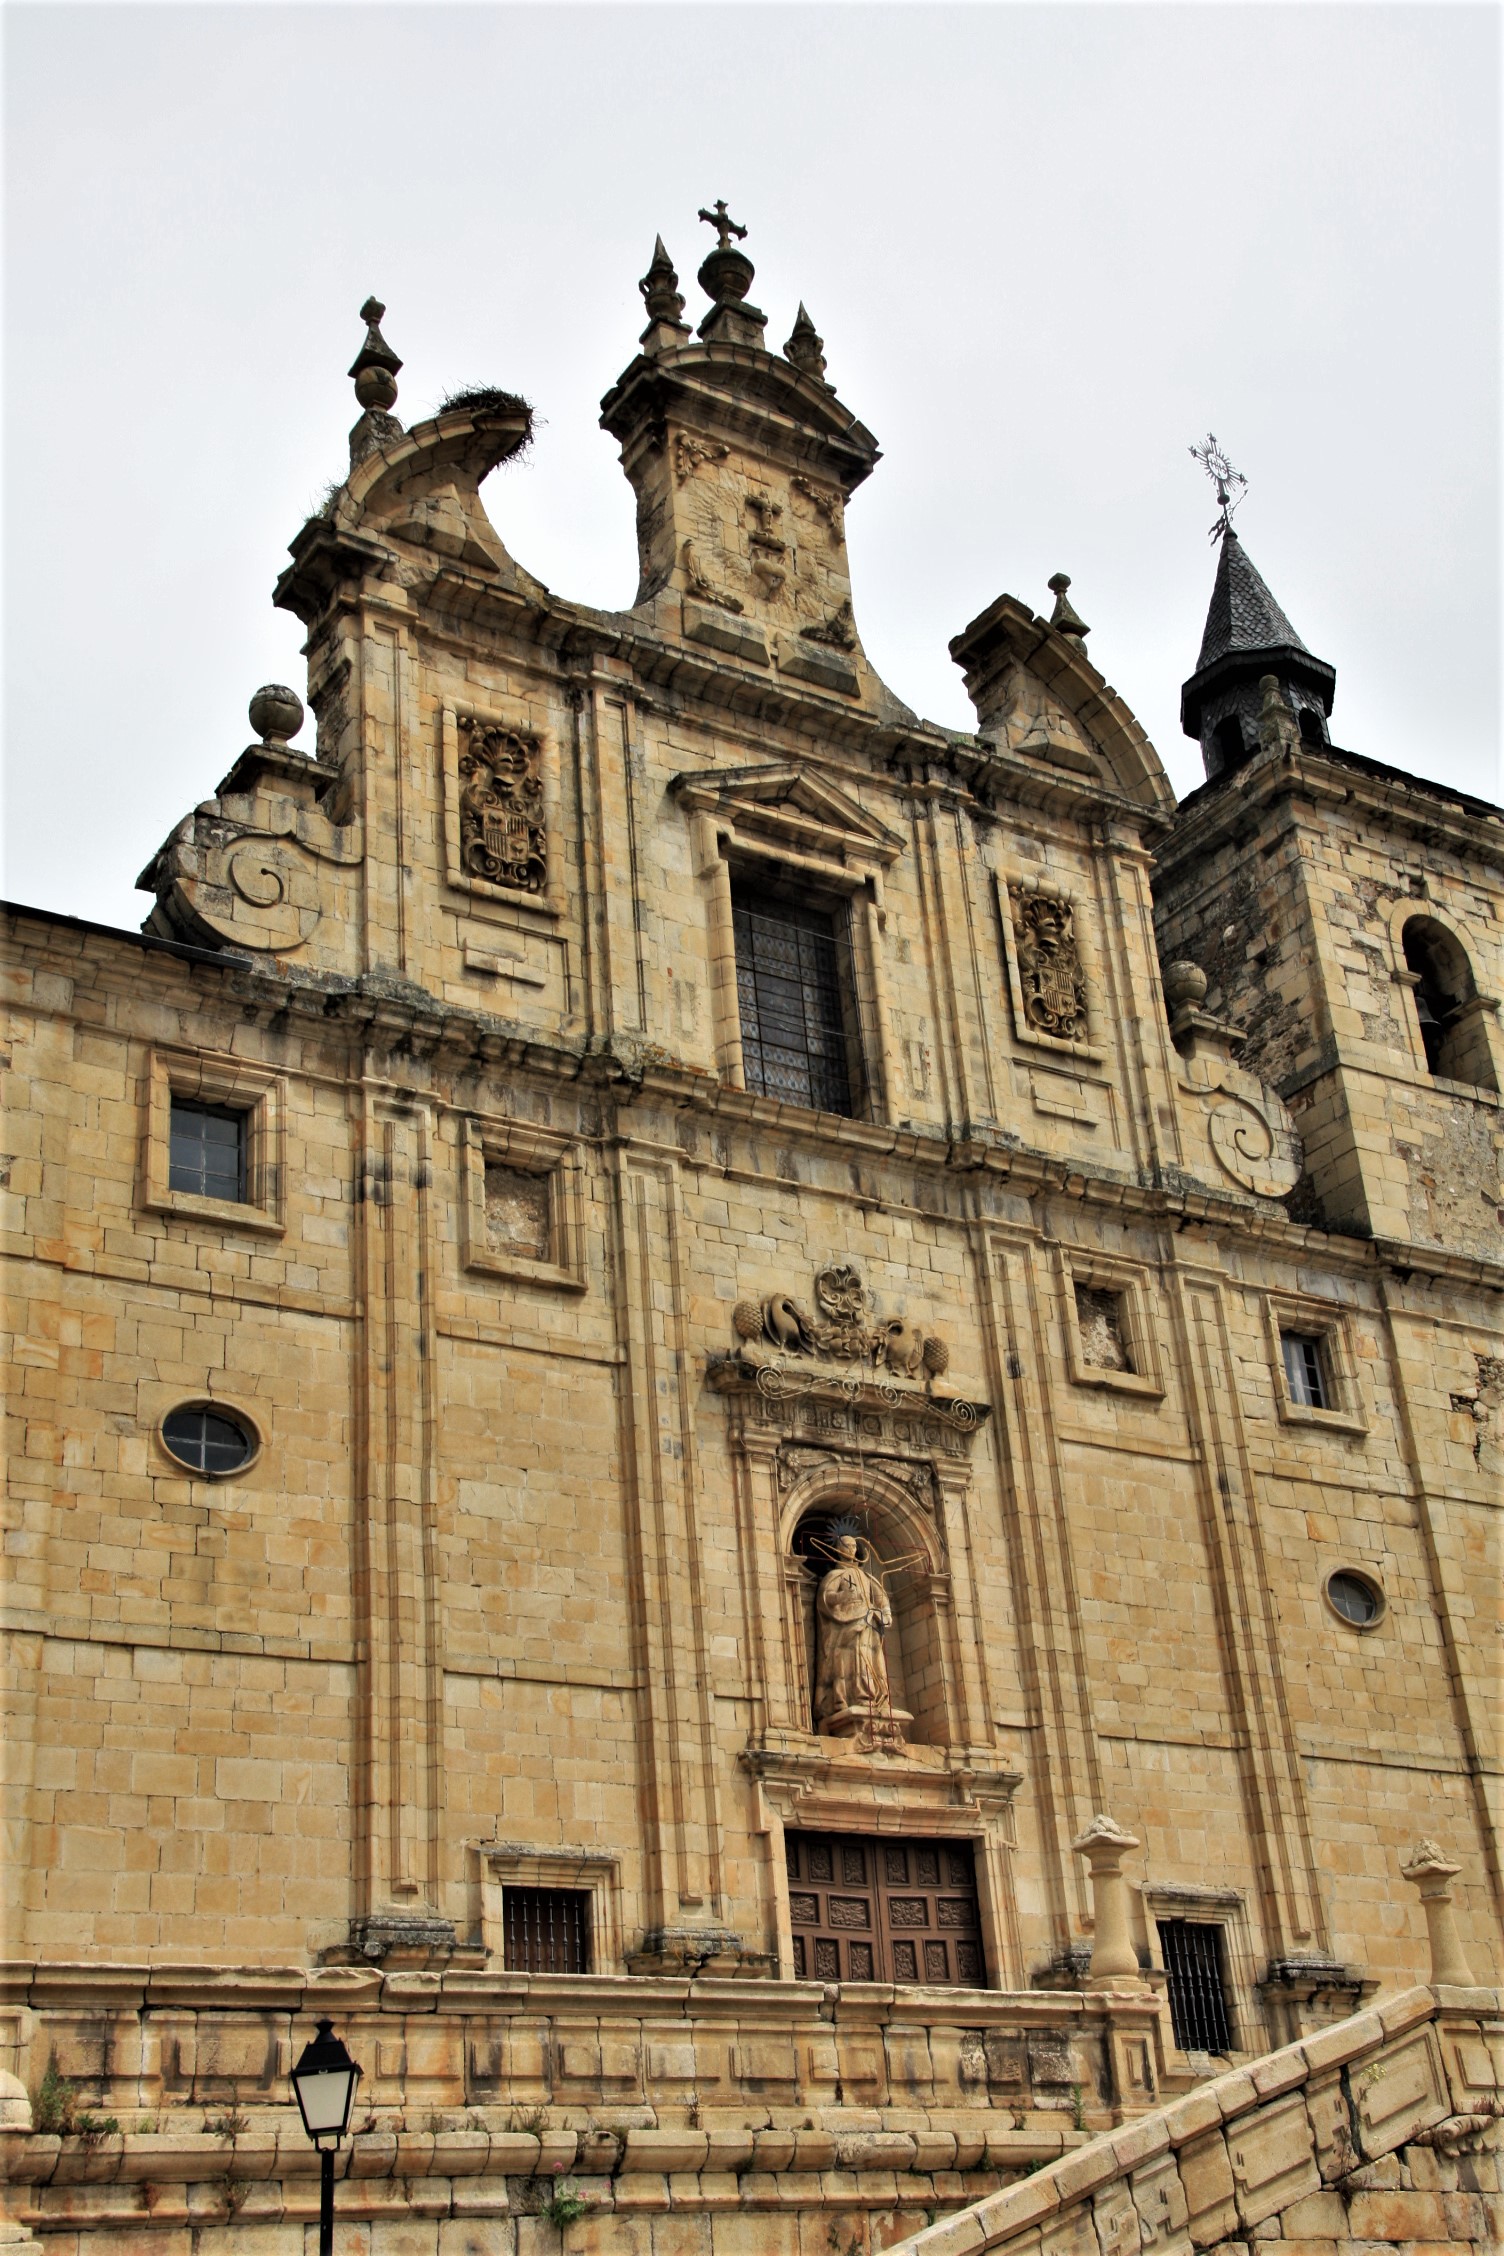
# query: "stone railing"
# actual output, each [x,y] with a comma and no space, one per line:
[747,2106]
[1351,2136]
[649,2052]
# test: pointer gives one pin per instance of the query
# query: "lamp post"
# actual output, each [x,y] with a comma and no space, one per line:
[324,2081]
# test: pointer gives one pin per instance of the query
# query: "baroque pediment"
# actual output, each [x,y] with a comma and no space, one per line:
[791,806]
[1038,695]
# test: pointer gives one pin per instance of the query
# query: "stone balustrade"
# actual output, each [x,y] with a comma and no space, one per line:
[1381,2131]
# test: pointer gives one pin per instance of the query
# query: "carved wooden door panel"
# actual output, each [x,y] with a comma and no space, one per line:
[878,1910]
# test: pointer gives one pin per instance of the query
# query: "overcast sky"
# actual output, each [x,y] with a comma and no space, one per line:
[1047,247]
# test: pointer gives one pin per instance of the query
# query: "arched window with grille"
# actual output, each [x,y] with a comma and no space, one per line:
[1447,1006]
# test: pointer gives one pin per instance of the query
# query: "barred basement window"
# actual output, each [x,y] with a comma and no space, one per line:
[546,1930]
[207,1155]
[791,970]
[1192,1951]
[1305,1372]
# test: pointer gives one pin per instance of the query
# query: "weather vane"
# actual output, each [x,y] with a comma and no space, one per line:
[1231,484]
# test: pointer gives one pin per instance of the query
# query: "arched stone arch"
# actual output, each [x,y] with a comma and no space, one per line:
[1451,1017]
[909,1553]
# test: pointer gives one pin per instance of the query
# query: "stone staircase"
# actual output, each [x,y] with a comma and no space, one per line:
[1383,2131]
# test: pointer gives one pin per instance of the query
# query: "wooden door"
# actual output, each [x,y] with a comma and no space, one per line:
[873,1909]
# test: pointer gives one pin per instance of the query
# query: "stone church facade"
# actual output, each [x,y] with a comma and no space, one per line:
[698,1368]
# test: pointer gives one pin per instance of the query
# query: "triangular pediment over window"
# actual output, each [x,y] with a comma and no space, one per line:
[792,807]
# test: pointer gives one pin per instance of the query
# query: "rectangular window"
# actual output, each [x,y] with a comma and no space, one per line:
[546,1930]
[865,1910]
[1304,1373]
[207,1155]
[790,964]
[1192,1951]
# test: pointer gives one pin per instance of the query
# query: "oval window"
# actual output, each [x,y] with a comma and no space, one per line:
[1358,1601]
[208,1440]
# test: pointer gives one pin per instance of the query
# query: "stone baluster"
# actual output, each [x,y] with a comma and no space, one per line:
[1104,1845]
[1431,1872]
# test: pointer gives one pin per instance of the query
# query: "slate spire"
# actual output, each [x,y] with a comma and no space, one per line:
[1248,636]
[1242,614]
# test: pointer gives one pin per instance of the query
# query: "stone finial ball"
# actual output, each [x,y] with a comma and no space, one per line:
[1185,985]
[276,713]
[375,387]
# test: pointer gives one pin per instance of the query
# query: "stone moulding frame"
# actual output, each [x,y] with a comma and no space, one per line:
[802,1437]
[532,1151]
[1103,1273]
[227,1406]
[204,1077]
[786,821]
[548,903]
[518,1864]
[1373,1581]
[1331,1324]
[1010,889]
[1226,1908]
[803,1788]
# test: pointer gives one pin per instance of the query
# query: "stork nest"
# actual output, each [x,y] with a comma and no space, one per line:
[489,399]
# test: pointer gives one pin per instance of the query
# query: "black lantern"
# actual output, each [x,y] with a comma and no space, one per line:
[324,2081]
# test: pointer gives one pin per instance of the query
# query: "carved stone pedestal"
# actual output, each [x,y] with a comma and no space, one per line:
[868,1727]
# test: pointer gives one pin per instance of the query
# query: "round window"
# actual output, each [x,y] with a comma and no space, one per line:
[1358,1601]
[207,1439]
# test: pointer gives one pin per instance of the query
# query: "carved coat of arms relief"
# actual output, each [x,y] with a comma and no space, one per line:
[503,835]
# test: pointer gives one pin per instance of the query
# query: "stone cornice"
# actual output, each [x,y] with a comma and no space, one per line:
[455,600]
[1379,797]
[745,392]
[386,1014]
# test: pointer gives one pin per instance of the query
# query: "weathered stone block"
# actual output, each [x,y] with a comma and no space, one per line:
[1272,2153]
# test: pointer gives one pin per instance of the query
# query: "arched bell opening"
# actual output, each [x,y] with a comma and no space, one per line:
[902,1558]
[1446,1004]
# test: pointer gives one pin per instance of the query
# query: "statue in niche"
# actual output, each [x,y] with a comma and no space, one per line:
[852,1614]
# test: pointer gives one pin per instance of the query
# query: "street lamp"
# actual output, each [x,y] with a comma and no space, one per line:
[324,2081]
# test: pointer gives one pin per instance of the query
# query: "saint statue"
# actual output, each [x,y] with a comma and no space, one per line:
[851,1677]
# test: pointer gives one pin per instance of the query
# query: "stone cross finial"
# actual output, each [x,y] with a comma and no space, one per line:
[726,277]
[1104,1845]
[1432,1872]
[724,224]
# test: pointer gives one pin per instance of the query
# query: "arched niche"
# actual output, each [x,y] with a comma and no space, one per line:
[906,1551]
